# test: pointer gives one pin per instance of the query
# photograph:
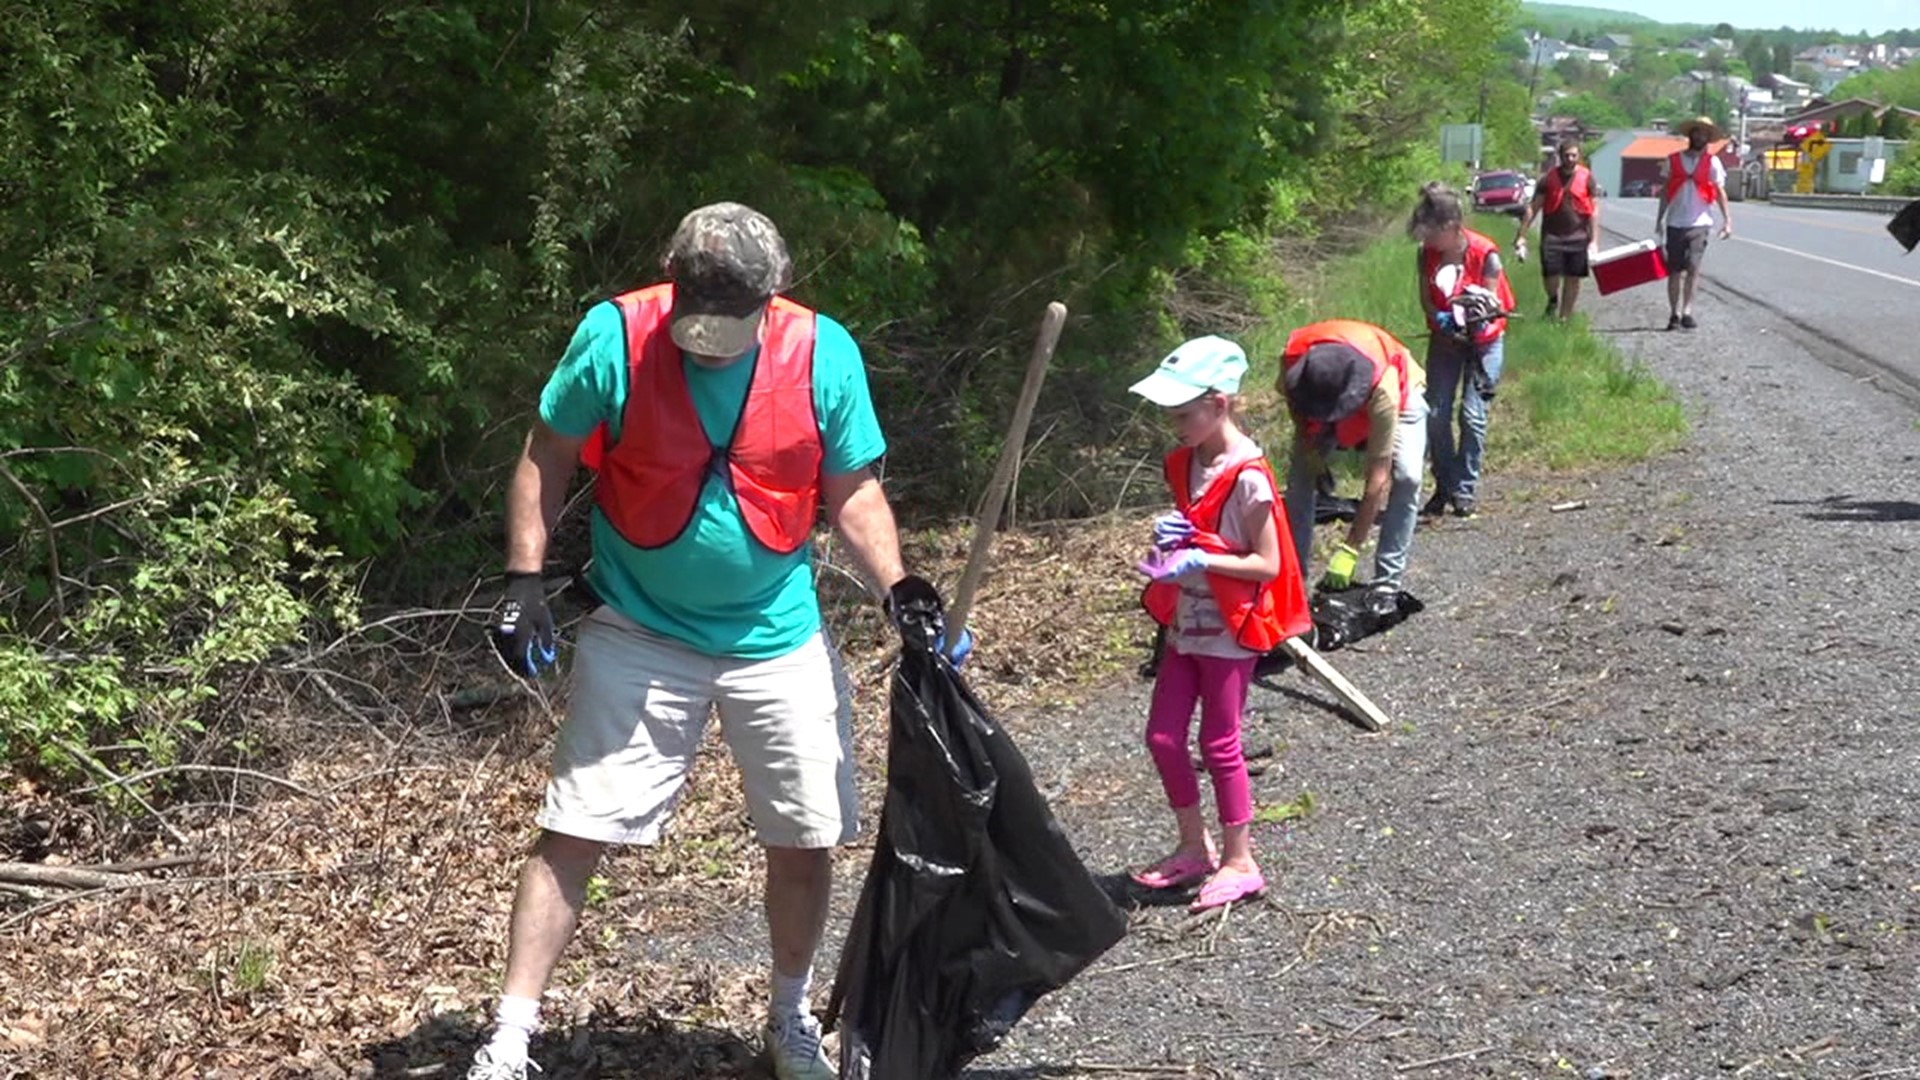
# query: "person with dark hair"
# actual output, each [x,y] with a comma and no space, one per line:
[1466,297]
[722,418]
[1693,184]
[1569,214]
[1350,385]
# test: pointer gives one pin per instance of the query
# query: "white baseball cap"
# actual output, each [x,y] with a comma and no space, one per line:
[1200,366]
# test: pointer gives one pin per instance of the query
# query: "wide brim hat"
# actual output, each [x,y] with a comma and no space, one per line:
[1714,134]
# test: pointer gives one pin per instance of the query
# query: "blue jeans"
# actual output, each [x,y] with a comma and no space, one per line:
[1396,517]
[1471,371]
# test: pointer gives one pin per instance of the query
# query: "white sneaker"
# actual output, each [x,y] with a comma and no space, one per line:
[794,1045]
[485,1068]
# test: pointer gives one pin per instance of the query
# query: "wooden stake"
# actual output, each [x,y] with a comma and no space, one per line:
[990,506]
[1350,695]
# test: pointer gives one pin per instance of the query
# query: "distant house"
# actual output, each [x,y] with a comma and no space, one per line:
[1546,51]
[1762,104]
[1701,46]
[1792,94]
[1827,114]
[1614,42]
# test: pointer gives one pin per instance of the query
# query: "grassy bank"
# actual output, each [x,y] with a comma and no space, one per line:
[1567,399]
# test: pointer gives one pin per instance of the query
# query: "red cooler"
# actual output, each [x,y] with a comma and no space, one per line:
[1628,265]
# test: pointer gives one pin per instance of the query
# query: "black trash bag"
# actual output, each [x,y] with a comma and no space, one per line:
[975,904]
[1905,226]
[1345,616]
[1328,506]
[1333,508]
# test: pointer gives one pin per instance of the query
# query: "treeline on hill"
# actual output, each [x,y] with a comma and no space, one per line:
[279,282]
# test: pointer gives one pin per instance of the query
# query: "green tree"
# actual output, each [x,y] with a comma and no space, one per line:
[1593,111]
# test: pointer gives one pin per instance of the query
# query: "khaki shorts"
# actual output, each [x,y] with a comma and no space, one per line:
[639,710]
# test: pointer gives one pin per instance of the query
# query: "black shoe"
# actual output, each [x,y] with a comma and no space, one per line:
[1550,307]
[1465,508]
[1686,322]
[1673,322]
[1435,506]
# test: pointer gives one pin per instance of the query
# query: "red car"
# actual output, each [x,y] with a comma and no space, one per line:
[1500,192]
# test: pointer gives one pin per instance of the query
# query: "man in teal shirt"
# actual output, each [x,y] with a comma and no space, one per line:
[707,608]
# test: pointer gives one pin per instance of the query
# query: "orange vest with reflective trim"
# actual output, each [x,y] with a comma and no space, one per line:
[1702,178]
[1558,188]
[1260,614]
[1387,353]
[650,480]
[1473,273]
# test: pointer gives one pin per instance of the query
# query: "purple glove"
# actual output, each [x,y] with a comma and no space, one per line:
[1171,530]
[1177,565]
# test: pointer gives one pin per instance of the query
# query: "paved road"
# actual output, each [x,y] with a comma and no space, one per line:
[1849,292]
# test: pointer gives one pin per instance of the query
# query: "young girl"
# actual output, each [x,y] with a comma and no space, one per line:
[1460,276]
[1225,582]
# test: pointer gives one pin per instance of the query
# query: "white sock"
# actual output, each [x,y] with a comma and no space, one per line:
[790,994]
[515,1022]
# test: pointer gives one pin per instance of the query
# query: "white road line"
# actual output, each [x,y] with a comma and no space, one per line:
[1737,238]
[1830,262]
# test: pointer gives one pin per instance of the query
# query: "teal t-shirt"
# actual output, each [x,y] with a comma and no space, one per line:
[715,589]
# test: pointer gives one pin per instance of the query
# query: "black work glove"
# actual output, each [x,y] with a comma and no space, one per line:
[917,612]
[522,632]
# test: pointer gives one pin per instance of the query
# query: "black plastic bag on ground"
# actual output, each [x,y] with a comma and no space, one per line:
[975,904]
[1348,615]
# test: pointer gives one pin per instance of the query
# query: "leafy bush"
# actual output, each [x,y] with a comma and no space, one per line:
[278,285]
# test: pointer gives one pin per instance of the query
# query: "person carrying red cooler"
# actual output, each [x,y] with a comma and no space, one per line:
[1224,582]
[1569,228]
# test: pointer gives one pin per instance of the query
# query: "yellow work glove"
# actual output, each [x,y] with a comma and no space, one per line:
[1340,567]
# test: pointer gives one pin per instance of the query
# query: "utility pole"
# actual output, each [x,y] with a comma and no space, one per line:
[1533,79]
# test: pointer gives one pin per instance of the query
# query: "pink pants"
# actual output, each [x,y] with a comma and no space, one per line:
[1220,687]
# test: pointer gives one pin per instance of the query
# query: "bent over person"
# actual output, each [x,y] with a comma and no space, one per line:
[721,418]
[1352,386]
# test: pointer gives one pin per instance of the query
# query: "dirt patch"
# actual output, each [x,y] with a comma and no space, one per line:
[348,915]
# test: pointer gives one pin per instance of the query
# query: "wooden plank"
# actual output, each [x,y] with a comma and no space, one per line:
[1356,701]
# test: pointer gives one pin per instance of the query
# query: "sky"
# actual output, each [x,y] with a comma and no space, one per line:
[1846,16]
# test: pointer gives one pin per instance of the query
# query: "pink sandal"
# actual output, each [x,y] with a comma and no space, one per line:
[1175,871]
[1229,886]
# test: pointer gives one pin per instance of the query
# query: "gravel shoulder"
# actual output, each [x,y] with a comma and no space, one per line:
[1649,808]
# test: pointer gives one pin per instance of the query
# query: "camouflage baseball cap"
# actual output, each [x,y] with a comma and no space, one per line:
[726,261]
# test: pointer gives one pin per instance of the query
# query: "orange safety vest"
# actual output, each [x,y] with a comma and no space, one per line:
[1387,353]
[1557,189]
[650,480]
[1702,178]
[1261,614]
[1478,248]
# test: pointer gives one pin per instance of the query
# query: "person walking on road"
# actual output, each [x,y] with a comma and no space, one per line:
[1466,297]
[720,417]
[1693,183]
[1350,385]
[1569,228]
[1223,583]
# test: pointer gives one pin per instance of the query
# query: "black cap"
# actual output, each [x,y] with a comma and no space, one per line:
[1330,382]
